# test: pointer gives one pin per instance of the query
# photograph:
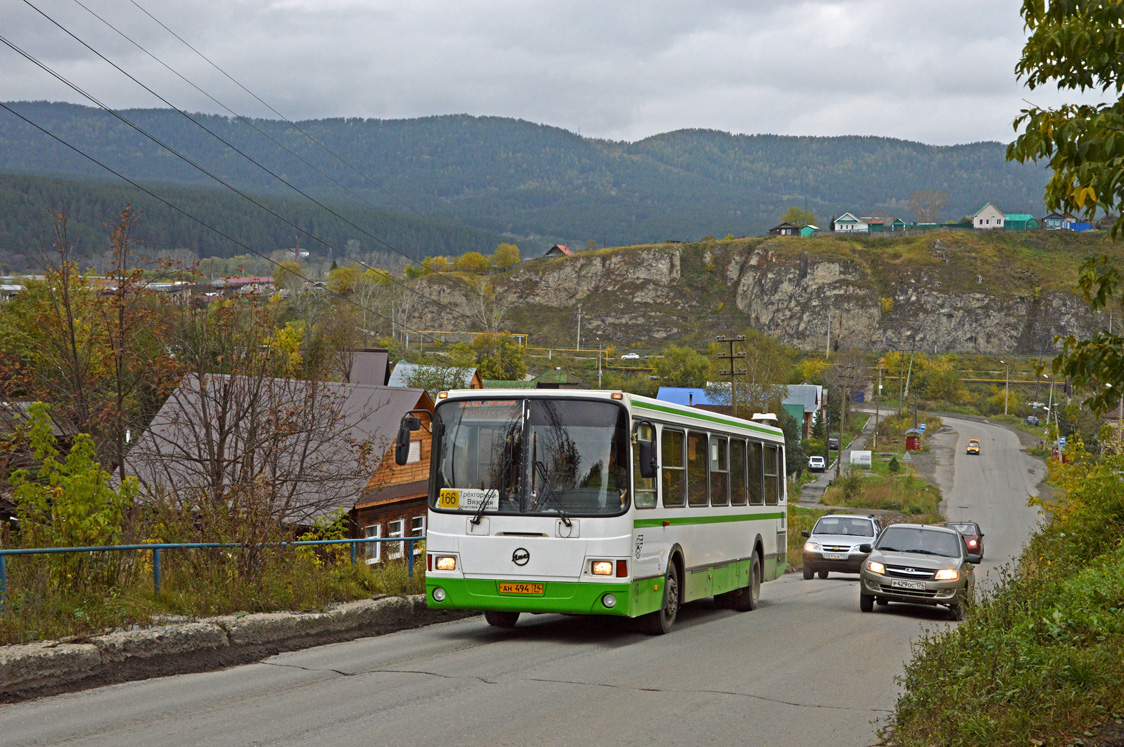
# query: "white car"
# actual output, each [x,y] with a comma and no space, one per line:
[630,357]
[816,464]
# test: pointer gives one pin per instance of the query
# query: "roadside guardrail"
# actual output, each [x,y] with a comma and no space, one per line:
[156,547]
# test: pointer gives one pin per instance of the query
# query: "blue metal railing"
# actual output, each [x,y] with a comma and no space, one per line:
[156,547]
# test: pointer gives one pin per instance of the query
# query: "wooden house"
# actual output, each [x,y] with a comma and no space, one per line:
[785,229]
[1058,221]
[849,223]
[558,250]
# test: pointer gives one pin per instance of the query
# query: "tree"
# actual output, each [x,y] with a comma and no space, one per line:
[507,255]
[926,204]
[431,265]
[287,276]
[471,262]
[682,367]
[438,377]
[1075,46]
[848,372]
[344,280]
[798,217]
[499,356]
[762,387]
[489,308]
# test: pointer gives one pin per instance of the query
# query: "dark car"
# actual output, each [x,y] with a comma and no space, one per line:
[1032,420]
[833,544]
[918,564]
[833,444]
[973,537]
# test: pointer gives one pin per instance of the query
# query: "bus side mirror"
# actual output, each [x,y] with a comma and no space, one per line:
[402,448]
[648,464]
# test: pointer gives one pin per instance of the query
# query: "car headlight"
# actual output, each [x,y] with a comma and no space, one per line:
[812,546]
[875,567]
[947,574]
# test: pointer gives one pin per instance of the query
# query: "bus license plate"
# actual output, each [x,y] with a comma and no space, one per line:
[898,583]
[517,588]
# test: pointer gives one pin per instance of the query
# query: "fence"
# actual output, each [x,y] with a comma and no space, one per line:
[155,548]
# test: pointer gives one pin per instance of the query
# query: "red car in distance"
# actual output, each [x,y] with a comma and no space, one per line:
[973,537]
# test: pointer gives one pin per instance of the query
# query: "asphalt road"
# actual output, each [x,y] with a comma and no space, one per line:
[805,668]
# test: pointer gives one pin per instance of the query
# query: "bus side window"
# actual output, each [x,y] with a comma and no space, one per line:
[696,469]
[737,473]
[772,486]
[671,467]
[719,471]
[756,497]
[645,492]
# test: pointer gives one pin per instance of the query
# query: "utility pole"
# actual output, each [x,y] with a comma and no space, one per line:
[877,405]
[733,371]
[1006,384]
[579,326]
[827,351]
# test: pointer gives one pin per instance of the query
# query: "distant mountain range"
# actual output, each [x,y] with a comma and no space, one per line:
[499,176]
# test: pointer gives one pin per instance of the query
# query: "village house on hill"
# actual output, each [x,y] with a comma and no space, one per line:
[558,250]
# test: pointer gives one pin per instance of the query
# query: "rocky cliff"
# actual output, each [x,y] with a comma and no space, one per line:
[937,293]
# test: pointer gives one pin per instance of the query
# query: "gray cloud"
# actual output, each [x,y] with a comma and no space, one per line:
[938,72]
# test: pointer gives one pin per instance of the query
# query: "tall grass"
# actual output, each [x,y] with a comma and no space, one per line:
[907,494]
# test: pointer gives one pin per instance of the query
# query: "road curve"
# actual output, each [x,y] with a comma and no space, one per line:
[806,667]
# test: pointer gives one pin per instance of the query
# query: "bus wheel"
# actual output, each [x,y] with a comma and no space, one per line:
[748,597]
[501,619]
[660,621]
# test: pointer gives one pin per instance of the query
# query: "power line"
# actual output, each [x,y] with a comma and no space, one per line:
[221,140]
[190,162]
[248,122]
[201,222]
[291,123]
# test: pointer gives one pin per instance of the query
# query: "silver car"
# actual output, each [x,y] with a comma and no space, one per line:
[834,544]
[918,564]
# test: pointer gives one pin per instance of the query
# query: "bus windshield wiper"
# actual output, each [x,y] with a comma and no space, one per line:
[548,494]
[497,481]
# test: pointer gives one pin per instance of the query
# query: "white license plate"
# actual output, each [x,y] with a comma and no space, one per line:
[835,556]
[899,583]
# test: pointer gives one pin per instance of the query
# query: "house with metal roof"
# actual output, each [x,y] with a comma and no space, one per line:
[785,229]
[304,449]
[1058,221]
[849,223]
[558,250]
[1019,222]
[809,230]
[988,218]
[452,378]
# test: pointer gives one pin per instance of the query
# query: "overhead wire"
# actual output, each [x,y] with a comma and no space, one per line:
[201,222]
[220,139]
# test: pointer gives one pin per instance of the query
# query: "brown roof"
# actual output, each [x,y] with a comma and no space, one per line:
[308,447]
[392,493]
[370,366]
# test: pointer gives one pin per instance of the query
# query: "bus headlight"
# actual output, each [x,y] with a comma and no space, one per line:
[438,594]
[446,563]
[602,568]
[609,601]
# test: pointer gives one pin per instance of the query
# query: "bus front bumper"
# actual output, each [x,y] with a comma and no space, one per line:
[628,598]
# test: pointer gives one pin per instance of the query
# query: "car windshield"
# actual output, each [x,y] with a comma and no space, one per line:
[919,540]
[844,525]
[565,457]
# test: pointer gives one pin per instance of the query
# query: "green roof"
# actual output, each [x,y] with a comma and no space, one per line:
[1019,216]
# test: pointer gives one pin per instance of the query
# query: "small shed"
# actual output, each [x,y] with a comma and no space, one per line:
[809,230]
[913,440]
[785,229]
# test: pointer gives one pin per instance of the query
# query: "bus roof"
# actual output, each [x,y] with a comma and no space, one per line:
[637,403]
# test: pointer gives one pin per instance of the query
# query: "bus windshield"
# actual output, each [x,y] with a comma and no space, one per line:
[531,456]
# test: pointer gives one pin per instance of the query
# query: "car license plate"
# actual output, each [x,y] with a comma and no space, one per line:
[899,583]
[520,588]
[835,556]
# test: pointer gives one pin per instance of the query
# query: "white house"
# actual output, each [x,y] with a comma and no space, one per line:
[848,223]
[988,217]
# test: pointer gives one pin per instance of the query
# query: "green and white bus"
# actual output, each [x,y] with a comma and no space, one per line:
[599,503]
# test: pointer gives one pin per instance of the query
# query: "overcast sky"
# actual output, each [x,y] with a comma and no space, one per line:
[935,71]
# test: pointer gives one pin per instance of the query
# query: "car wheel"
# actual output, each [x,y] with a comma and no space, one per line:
[866,602]
[748,597]
[955,612]
[661,621]
[808,573]
[501,619]
[823,574]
